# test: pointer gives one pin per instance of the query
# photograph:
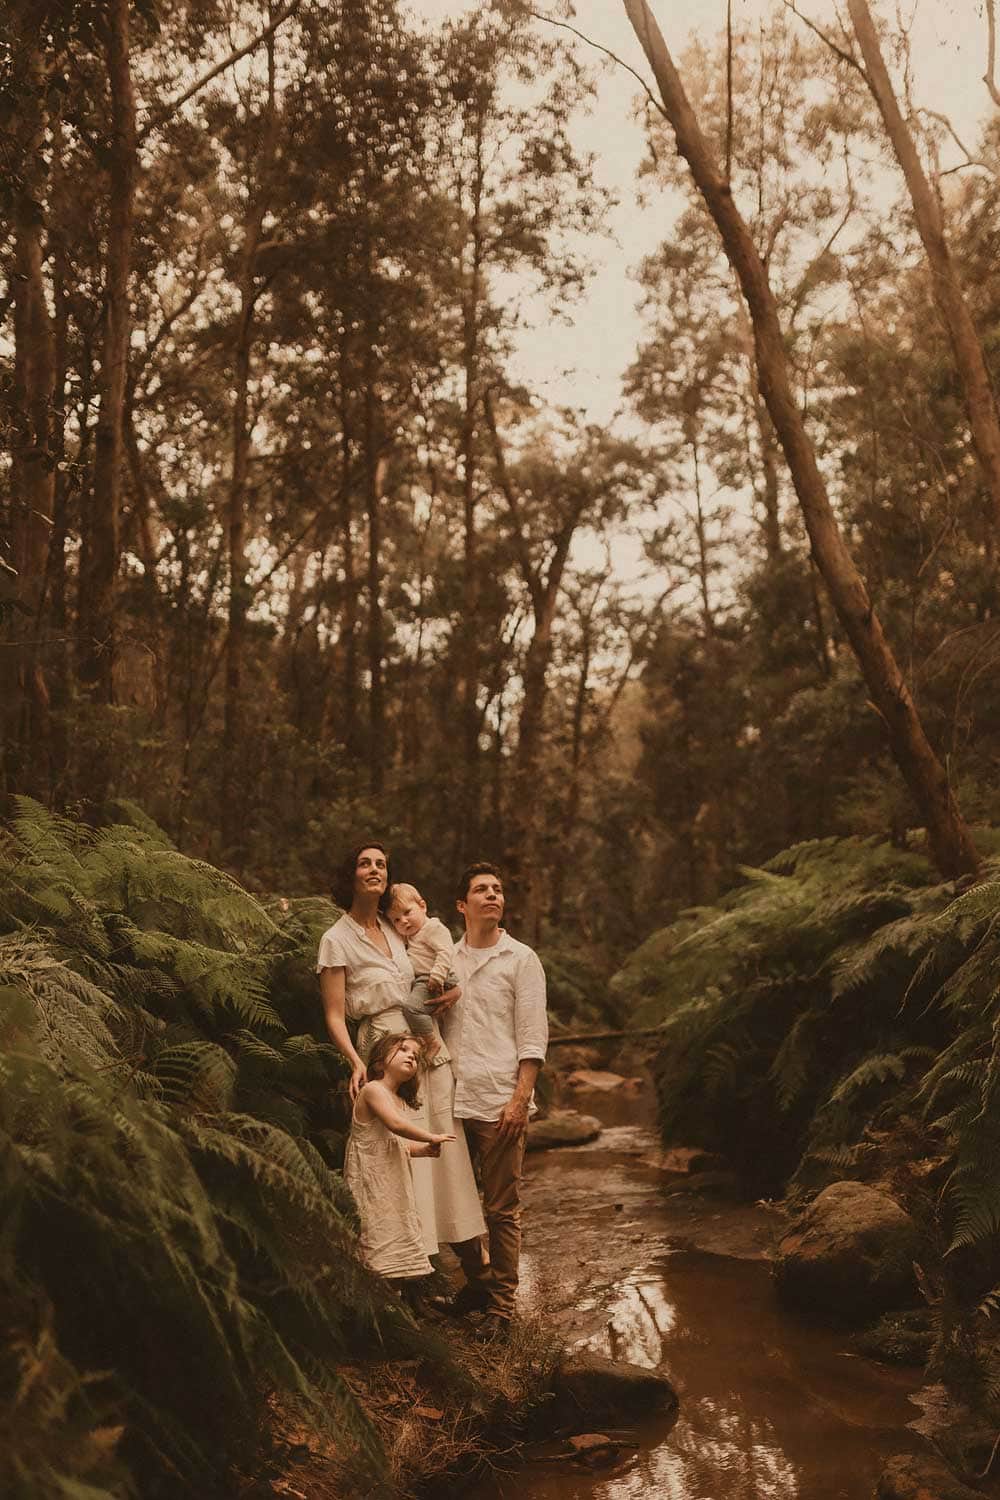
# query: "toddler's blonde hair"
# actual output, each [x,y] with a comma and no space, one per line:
[399,892]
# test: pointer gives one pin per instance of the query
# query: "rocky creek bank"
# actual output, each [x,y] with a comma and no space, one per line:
[844,1260]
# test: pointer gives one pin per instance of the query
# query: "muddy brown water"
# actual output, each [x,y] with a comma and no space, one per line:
[769,1407]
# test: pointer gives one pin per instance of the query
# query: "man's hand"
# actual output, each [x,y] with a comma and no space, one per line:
[444,1002]
[513,1119]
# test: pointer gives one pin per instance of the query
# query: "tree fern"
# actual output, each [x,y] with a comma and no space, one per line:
[167,1169]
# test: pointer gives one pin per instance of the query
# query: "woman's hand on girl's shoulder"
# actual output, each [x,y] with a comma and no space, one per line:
[359,1078]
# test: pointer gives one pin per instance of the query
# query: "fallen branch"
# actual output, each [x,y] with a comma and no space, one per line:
[604,1036]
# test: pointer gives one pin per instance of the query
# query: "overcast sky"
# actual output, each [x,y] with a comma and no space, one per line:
[582,365]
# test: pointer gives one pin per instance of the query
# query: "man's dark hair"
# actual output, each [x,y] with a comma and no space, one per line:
[343,878]
[480,867]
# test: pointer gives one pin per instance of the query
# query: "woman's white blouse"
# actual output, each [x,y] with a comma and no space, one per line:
[372,982]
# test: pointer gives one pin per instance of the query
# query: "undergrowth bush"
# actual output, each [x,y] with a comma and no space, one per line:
[839,995]
[177,1257]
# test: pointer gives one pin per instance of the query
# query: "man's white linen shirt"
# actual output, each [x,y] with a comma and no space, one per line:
[499,1021]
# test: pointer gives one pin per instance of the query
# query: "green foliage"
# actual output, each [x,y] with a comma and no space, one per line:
[177,1252]
[781,1005]
[838,992]
[577,992]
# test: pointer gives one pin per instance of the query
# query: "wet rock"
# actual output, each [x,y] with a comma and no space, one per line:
[721,1182]
[682,1160]
[562,1127]
[586,1384]
[595,1449]
[850,1255]
[594,1080]
[920,1476]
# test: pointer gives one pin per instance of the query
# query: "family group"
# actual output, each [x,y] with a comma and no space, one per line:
[450,1039]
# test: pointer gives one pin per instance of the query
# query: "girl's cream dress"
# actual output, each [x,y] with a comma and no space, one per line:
[377,1170]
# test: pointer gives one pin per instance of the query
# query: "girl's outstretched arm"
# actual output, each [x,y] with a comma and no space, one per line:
[384,1106]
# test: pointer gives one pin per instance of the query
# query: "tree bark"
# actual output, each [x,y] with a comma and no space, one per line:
[468,655]
[980,402]
[950,841]
[543,589]
[32,464]
[374,468]
[98,586]
[348,727]
[239,590]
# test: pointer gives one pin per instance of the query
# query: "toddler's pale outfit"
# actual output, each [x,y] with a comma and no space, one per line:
[431,952]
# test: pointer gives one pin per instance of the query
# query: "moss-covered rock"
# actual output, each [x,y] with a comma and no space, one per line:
[849,1256]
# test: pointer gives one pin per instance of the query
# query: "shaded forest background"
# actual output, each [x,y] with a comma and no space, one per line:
[292,554]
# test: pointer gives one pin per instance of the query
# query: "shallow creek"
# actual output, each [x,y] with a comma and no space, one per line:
[681,1282]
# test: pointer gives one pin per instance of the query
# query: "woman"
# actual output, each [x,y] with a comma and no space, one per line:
[365,975]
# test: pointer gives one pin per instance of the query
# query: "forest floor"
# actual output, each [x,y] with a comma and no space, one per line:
[623,1258]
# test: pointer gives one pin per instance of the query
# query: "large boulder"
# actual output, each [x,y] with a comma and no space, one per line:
[850,1256]
[590,1385]
[562,1127]
[920,1476]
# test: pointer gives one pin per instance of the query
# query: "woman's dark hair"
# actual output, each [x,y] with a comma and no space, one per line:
[343,876]
[382,1050]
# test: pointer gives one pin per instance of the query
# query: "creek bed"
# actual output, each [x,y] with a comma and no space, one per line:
[769,1406]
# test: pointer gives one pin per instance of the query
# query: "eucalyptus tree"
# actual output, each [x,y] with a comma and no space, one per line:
[948,293]
[558,485]
[523,203]
[926,777]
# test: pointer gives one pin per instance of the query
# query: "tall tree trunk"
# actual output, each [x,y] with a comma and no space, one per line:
[543,588]
[347,729]
[980,403]
[98,586]
[468,655]
[572,803]
[59,739]
[707,618]
[374,470]
[233,821]
[950,840]
[25,693]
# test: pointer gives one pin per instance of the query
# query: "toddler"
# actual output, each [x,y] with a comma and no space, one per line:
[431,951]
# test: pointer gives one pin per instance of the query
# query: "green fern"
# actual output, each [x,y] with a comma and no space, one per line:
[167,1166]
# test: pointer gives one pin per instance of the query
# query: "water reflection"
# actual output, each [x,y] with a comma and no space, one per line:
[639,1317]
[770,1410]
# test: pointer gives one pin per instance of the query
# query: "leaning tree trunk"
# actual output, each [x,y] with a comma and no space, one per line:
[980,403]
[98,586]
[950,840]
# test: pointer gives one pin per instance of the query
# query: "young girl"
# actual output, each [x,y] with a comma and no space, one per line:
[377,1163]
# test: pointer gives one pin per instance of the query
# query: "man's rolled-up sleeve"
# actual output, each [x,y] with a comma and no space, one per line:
[531,1023]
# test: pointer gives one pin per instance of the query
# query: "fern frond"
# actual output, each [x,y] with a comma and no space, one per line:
[196,1075]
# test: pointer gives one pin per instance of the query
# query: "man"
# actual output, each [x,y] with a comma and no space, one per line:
[497,1035]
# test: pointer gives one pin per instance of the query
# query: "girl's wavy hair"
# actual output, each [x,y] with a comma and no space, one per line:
[343,877]
[380,1054]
